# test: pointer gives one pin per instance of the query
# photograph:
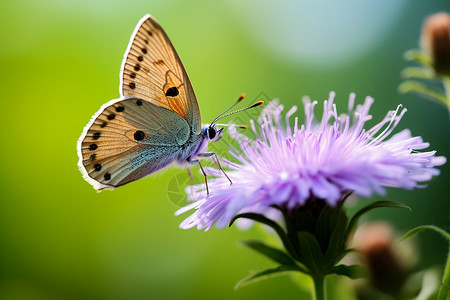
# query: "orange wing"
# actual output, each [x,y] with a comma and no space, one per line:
[152,71]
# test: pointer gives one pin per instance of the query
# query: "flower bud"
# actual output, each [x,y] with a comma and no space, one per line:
[386,271]
[435,41]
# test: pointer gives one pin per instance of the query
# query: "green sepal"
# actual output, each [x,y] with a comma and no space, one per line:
[353,271]
[418,229]
[304,221]
[337,240]
[273,253]
[310,254]
[264,274]
[325,226]
[369,207]
[331,233]
[274,225]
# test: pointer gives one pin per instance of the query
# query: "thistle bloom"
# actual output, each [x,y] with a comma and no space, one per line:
[319,160]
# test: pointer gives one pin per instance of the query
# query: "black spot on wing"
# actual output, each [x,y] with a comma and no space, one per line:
[172,92]
[139,135]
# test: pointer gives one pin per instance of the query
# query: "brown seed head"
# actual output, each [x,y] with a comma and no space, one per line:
[375,243]
[435,41]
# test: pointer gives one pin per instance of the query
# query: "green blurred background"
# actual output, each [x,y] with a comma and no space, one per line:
[60,61]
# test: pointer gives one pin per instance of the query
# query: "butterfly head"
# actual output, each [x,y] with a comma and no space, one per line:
[211,133]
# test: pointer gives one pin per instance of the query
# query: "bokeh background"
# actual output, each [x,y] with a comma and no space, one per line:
[60,61]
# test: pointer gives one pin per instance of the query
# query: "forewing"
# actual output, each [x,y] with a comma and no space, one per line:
[127,139]
[151,70]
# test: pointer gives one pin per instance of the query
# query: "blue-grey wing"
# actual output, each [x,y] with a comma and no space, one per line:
[127,139]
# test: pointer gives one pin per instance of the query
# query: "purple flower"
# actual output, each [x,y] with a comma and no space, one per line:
[287,166]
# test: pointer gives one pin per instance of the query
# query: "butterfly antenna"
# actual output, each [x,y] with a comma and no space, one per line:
[233,125]
[241,97]
[236,111]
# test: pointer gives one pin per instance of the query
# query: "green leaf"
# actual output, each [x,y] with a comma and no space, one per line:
[445,286]
[311,256]
[260,275]
[262,219]
[418,229]
[418,72]
[271,252]
[424,90]
[353,271]
[418,56]
[369,207]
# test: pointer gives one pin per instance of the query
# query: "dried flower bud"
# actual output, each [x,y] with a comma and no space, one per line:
[386,271]
[435,41]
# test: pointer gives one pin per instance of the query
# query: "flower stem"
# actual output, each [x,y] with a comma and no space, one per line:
[319,287]
[443,291]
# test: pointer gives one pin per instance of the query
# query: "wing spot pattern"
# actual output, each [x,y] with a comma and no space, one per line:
[107,176]
[137,67]
[144,50]
[139,135]
[111,117]
[96,136]
[93,157]
[120,108]
[97,167]
[132,85]
[132,75]
[172,92]
[139,103]
[159,62]
[92,147]
[104,124]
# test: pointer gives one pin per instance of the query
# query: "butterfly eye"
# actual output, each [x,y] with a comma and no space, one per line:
[211,133]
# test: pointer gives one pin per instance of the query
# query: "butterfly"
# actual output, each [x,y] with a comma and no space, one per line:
[155,122]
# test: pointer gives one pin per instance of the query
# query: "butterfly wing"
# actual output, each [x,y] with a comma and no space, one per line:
[127,139]
[152,71]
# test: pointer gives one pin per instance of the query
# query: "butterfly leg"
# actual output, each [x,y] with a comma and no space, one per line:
[196,161]
[208,154]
